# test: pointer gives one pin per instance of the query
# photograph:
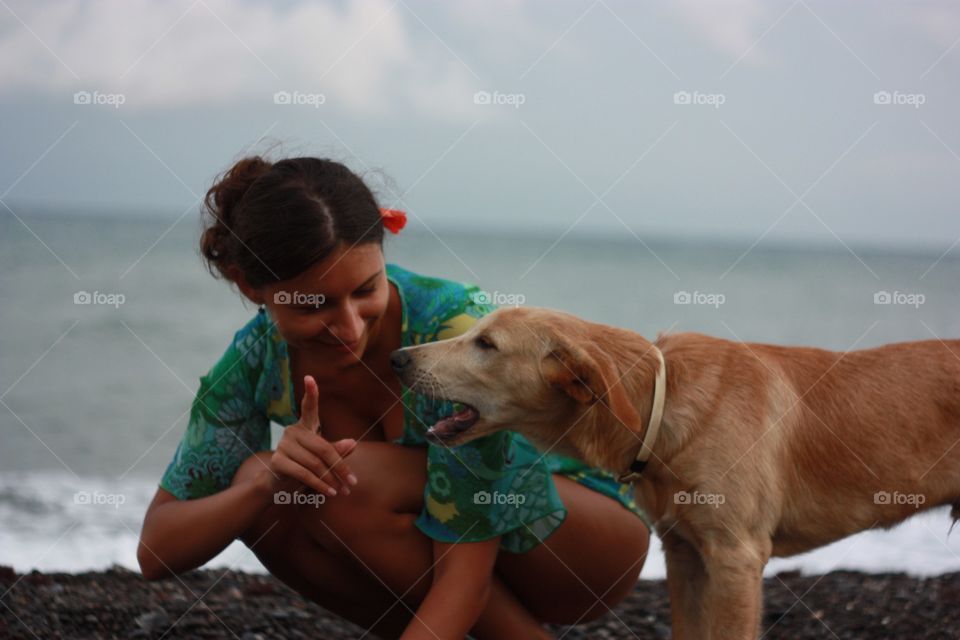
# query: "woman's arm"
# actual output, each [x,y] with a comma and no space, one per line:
[462,577]
[179,535]
[466,596]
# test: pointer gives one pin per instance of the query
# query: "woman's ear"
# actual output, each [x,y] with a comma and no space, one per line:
[254,295]
[590,378]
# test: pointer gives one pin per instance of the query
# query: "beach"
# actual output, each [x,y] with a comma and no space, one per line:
[118,603]
[769,175]
[79,466]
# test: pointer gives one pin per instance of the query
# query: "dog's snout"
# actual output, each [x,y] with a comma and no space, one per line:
[399,360]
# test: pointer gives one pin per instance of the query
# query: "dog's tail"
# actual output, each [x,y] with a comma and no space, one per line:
[954,515]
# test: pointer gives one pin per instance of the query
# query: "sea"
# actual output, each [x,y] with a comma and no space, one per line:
[108,321]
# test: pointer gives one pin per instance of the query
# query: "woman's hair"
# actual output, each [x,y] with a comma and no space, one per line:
[273,221]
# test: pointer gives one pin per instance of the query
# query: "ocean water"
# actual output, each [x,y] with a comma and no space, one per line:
[94,397]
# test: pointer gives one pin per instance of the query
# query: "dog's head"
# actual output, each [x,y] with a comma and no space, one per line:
[553,377]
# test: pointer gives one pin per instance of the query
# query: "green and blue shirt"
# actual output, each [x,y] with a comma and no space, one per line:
[497,485]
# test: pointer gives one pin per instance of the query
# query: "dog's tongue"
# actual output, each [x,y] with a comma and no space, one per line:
[458,421]
[464,413]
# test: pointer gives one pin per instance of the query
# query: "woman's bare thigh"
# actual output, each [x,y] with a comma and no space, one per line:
[586,566]
[557,581]
[286,537]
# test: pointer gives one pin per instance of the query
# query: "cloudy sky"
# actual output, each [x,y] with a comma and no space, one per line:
[741,120]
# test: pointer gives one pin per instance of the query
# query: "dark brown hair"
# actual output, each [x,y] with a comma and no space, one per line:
[271,221]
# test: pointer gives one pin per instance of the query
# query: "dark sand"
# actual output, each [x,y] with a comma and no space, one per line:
[120,604]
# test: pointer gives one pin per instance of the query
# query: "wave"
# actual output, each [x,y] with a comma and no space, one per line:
[56,522]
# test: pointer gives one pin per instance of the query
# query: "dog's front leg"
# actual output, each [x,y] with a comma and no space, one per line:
[734,590]
[686,580]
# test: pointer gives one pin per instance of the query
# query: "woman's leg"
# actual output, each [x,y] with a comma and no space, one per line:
[336,581]
[357,555]
[557,581]
[361,556]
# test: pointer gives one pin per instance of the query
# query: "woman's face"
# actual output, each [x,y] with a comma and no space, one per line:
[334,309]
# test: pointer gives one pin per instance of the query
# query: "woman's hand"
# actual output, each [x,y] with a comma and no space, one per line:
[305,456]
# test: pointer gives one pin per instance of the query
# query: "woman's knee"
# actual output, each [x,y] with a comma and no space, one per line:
[383,504]
[559,570]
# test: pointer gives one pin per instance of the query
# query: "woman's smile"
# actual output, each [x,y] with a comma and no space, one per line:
[346,347]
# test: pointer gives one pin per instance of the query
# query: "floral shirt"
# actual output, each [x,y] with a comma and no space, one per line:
[497,485]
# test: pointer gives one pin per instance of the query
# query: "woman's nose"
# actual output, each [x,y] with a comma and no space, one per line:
[348,326]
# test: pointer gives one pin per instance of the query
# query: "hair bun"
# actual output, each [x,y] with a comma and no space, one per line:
[268,222]
[220,205]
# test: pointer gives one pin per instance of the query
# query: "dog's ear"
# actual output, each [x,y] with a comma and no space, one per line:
[590,377]
[571,370]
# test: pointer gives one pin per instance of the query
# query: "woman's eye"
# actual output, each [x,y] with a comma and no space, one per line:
[364,292]
[484,343]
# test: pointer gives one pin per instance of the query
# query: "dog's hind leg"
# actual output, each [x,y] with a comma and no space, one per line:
[686,580]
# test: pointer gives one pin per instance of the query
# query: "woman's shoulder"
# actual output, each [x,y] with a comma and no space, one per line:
[410,280]
[437,305]
[249,351]
[255,337]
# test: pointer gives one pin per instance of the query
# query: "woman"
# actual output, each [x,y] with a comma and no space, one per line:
[353,508]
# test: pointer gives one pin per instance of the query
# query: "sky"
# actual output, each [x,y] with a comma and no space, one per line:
[743,121]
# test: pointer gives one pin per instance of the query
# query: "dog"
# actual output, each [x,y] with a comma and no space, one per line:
[737,451]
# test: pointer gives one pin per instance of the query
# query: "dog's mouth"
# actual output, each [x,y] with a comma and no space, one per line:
[463,417]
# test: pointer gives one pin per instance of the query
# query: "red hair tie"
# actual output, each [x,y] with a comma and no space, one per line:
[393,219]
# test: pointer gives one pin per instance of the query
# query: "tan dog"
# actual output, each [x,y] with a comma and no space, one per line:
[763,450]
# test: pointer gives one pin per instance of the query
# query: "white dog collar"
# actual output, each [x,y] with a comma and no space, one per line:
[653,425]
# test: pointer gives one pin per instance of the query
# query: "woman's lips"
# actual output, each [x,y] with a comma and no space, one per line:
[345,347]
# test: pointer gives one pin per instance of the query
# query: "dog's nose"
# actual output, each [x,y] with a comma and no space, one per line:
[399,360]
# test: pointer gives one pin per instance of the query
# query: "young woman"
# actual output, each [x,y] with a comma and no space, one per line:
[353,508]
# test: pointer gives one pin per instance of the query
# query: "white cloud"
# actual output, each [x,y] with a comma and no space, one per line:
[360,55]
[732,27]
[938,20]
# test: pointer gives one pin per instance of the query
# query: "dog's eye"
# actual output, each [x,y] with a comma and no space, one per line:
[483,342]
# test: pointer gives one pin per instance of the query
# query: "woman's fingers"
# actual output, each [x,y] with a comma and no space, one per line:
[310,405]
[344,447]
[331,458]
[292,469]
[319,458]
[307,456]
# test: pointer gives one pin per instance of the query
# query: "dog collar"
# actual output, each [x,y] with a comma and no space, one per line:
[653,425]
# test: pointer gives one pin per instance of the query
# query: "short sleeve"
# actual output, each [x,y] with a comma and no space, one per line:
[498,485]
[225,425]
